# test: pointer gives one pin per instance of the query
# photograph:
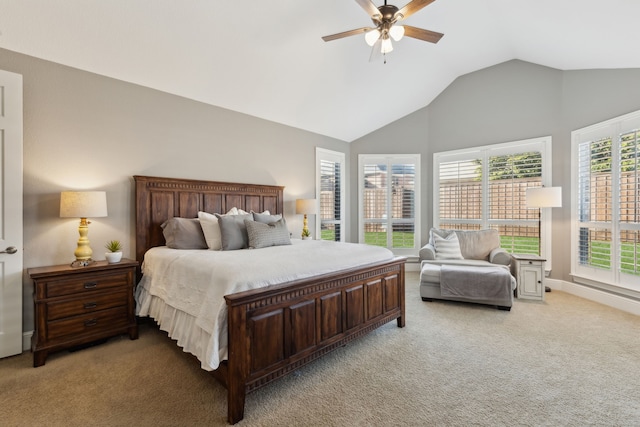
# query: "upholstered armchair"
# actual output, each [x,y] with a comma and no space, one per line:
[467,266]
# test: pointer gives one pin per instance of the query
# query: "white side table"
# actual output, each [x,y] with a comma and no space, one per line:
[528,269]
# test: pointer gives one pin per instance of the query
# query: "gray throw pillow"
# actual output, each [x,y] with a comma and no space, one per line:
[265,218]
[183,233]
[263,235]
[233,231]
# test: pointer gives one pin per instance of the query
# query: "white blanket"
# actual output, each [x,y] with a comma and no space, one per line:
[183,290]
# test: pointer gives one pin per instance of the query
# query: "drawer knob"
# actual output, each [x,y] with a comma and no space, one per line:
[91,322]
[90,305]
[90,285]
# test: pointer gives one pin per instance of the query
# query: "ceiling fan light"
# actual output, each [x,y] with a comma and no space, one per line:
[396,32]
[386,46]
[372,37]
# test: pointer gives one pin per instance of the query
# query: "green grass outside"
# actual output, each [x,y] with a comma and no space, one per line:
[600,256]
[401,239]
[328,235]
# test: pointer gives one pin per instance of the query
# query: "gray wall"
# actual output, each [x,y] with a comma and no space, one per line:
[84,131]
[508,102]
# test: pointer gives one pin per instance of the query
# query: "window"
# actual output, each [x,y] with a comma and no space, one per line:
[485,187]
[389,202]
[606,202]
[330,186]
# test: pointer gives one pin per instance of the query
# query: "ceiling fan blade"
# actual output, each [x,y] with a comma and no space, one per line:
[369,7]
[346,34]
[412,7]
[419,33]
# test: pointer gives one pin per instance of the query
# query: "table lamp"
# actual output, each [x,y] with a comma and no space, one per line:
[304,207]
[83,205]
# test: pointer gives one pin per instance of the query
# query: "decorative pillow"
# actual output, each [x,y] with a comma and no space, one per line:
[265,217]
[183,233]
[262,235]
[233,231]
[447,247]
[442,232]
[211,228]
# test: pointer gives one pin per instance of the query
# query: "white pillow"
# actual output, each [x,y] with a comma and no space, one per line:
[211,228]
[446,247]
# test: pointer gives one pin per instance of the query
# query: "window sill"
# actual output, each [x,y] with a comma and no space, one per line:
[607,287]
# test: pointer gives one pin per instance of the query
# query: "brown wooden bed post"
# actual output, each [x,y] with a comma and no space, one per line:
[238,363]
[402,318]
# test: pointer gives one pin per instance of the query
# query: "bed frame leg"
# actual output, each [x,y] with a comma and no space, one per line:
[235,404]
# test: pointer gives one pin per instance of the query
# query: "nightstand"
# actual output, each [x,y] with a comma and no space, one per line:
[77,306]
[528,270]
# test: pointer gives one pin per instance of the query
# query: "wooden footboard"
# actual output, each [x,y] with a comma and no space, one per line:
[274,331]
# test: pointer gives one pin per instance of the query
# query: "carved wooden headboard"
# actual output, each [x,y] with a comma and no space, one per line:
[159,199]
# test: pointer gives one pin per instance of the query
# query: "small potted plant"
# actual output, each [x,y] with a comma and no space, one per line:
[115,251]
[306,234]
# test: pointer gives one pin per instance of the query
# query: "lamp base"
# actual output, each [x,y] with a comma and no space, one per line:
[82,263]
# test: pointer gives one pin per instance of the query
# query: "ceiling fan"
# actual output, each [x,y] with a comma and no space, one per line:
[385,19]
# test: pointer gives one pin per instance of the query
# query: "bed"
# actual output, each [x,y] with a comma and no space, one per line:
[271,330]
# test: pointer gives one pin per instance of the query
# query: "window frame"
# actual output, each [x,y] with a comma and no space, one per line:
[323,154]
[483,153]
[612,279]
[388,159]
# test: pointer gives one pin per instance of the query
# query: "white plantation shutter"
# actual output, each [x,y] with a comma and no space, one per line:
[629,201]
[485,187]
[594,203]
[330,178]
[389,202]
[460,194]
[509,177]
[606,205]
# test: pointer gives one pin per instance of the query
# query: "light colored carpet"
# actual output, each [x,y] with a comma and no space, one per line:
[563,362]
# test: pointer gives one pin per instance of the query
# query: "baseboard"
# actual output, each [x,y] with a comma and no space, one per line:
[412,266]
[616,301]
[26,340]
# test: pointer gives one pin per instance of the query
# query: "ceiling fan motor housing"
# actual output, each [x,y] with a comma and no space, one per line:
[387,13]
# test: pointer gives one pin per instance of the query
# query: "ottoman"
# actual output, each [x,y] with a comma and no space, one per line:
[481,284]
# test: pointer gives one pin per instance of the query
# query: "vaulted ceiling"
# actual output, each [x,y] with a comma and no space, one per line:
[267,58]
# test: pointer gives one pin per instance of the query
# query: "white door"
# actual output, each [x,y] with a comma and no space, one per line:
[10,213]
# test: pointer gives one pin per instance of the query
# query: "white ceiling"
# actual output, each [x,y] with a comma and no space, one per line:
[267,58]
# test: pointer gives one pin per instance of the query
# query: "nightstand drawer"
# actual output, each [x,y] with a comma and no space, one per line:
[85,283]
[88,323]
[88,304]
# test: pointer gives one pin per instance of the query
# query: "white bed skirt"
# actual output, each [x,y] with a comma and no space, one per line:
[179,325]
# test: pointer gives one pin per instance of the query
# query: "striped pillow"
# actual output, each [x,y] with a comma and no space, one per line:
[447,247]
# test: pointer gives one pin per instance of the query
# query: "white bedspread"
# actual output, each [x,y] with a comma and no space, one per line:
[183,290]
